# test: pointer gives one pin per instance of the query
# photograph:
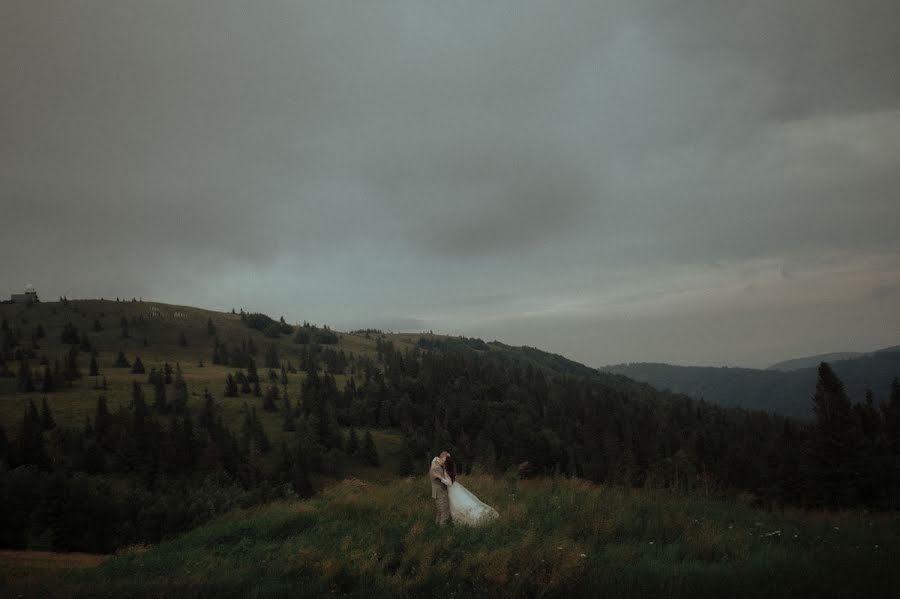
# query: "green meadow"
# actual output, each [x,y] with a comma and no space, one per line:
[555,537]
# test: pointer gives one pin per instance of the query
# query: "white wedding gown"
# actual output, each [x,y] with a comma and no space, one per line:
[465,508]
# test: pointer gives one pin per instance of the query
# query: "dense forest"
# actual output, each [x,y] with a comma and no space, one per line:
[159,464]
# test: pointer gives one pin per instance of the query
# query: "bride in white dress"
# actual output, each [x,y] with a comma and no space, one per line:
[465,508]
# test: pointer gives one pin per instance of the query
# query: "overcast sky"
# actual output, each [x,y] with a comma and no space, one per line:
[696,182]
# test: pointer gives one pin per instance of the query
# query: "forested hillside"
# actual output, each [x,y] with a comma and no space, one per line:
[152,418]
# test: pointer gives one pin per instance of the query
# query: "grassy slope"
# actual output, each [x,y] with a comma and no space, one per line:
[555,537]
[71,405]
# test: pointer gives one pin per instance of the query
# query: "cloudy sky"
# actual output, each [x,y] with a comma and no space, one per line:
[696,182]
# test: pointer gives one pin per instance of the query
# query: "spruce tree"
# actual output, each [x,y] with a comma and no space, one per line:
[180,391]
[24,380]
[231,388]
[352,442]
[836,442]
[101,418]
[270,398]
[369,452]
[121,361]
[406,467]
[47,382]
[47,421]
[160,402]
[138,367]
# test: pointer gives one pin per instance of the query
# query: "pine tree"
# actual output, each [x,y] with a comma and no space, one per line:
[101,418]
[25,382]
[30,443]
[836,449]
[160,402]
[167,374]
[180,391]
[47,382]
[352,442]
[138,367]
[121,361]
[270,398]
[300,472]
[71,371]
[231,388]
[369,452]
[182,339]
[210,327]
[47,421]
[288,424]
[93,368]
[406,467]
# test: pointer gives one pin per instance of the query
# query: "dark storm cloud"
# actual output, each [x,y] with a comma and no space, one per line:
[482,168]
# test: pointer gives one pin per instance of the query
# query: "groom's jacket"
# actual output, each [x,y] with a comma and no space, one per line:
[435,474]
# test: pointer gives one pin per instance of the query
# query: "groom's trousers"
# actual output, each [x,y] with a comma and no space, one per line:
[442,501]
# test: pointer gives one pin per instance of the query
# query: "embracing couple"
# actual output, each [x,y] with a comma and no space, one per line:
[452,499]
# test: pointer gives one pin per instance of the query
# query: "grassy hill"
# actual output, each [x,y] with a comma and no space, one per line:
[555,537]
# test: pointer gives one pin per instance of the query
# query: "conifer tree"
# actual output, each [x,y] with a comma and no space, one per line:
[270,398]
[47,382]
[25,382]
[352,442]
[30,442]
[160,402]
[47,421]
[121,361]
[93,368]
[101,418]
[180,391]
[836,443]
[210,327]
[231,388]
[182,339]
[71,371]
[138,367]
[369,452]
[406,466]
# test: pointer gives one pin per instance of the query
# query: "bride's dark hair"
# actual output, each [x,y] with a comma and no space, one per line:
[450,467]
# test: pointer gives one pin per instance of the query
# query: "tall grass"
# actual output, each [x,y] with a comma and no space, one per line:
[555,537]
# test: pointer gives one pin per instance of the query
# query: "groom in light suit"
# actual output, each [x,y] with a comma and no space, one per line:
[439,484]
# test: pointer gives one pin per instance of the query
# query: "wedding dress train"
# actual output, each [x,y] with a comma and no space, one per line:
[465,508]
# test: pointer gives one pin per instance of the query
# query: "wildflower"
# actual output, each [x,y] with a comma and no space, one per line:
[584,555]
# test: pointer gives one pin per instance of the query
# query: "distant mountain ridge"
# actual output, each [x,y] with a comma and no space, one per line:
[813,361]
[786,392]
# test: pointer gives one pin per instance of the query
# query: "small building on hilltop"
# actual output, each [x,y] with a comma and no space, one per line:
[29,297]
